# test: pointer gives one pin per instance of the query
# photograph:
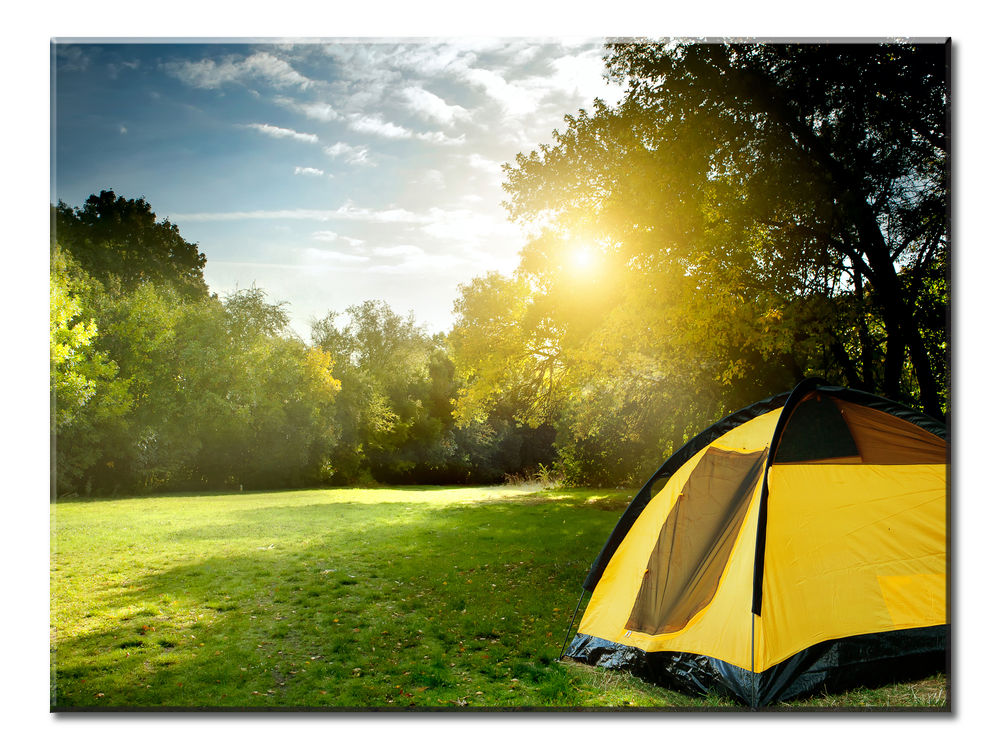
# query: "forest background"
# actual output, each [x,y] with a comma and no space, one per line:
[747,216]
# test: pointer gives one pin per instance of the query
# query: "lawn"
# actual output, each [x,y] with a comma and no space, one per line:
[451,598]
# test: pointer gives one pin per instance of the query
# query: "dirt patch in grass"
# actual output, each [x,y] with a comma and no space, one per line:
[617,502]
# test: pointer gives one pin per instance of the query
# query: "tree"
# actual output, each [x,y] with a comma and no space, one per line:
[773,203]
[114,237]
[250,316]
[379,355]
[74,371]
[507,351]
[396,410]
[87,399]
[749,214]
[137,331]
[259,401]
[155,391]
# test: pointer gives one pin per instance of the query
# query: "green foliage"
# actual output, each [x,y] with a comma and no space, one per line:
[120,241]
[750,214]
[395,413]
[506,351]
[263,402]
[74,371]
[87,399]
[378,355]
[153,389]
[828,164]
[249,317]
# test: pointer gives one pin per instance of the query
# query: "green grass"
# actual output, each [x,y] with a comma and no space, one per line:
[388,598]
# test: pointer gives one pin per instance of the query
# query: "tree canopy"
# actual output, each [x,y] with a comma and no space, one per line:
[112,237]
[749,214]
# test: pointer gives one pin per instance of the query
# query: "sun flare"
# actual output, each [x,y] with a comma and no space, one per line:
[583,258]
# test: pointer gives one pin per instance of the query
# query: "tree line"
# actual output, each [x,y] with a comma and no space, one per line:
[748,215]
[158,384]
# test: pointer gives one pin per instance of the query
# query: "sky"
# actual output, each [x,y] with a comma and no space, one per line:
[325,173]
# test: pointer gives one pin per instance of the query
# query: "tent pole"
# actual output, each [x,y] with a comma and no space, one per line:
[753,670]
[562,652]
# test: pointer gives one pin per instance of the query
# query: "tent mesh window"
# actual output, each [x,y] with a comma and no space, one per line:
[830,430]
[695,541]
[816,431]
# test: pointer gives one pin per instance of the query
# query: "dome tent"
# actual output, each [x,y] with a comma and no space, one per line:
[797,544]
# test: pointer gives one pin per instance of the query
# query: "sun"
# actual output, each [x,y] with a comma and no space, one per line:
[583,258]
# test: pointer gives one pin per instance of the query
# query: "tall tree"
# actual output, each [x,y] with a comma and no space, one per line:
[259,401]
[379,355]
[507,350]
[774,203]
[115,237]
[88,401]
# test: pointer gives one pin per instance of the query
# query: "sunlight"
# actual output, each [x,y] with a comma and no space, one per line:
[583,258]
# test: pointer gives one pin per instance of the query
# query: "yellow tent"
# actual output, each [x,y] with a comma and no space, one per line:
[798,544]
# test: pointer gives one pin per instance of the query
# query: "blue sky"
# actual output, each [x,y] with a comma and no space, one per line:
[325,173]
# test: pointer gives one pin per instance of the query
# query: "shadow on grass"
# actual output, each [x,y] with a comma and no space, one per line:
[343,604]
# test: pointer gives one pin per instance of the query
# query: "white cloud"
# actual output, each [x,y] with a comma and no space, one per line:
[314,110]
[375,125]
[294,213]
[411,259]
[278,72]
[309,171]
[314,256]
[276,132]
[399,251]
[321,111]
[115,68]
[328,236]
[464,226]
[351,154]
[441,138]
[422,262]
[434,178]
[432,107]
[513,98]
[263,66]
[392,215]
[325,235]
[205,74]
[73,58]
[487,165]
[347,211]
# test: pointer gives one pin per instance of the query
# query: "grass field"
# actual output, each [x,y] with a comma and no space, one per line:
[356,598]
